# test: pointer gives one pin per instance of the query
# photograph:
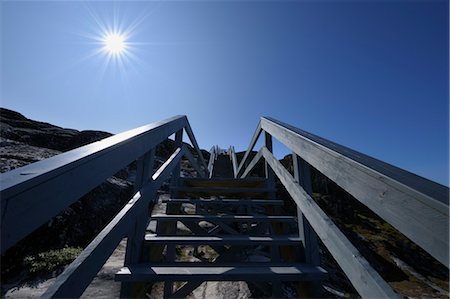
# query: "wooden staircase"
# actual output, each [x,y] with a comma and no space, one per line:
[237,218]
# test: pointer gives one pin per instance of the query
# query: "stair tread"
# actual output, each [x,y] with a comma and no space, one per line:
[221,217]
[143,272]
[227,239]
[223,182]
[225,201]
[223,189]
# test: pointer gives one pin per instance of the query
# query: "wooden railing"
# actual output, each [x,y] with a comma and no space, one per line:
[213,153]
[33,194]
[234,161]
[415,206]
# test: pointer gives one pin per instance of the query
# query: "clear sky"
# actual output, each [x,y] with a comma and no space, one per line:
[370,75]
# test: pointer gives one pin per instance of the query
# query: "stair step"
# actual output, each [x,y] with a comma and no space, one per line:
[225,240]
[293,272]
[226,201]
[224,218]
[231,192]
[224,182]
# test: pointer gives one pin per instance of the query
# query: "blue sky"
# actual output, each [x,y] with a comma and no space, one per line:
[371,75]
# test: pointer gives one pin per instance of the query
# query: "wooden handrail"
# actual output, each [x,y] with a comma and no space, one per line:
[24,190]
[78,275]
[364,278]
[415,206]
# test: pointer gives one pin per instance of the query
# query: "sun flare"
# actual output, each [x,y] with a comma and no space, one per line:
[114,43]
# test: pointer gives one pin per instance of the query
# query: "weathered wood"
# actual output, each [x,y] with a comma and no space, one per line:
[220,201]
[415,206]
[212,159]
[293,272]
[234,161]
[302,174]
[364,278]
[194,163]
[136,235]
[191,136]
[174,180]
[249,149]
[223,218]
[63,179]
[78,275]
[224,240]
[223,191]
[252,164]
[223,182]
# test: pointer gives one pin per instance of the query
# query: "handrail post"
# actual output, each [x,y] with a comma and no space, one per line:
[302,175]
[176,172]
[173,208]
[133,254]
[270,177]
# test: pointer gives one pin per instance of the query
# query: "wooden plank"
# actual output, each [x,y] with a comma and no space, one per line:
[216,182]
[194,143]
[415,206]
[212,158]
[257,273]
[234,161]
[79,274]
[63,179]
[302,174]
[219,202]
[224,218]
[249,149]
[222,190]
[364,278]
[252,164]
[194,163]
[225,240]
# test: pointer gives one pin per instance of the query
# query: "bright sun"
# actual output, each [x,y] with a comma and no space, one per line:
[114,43]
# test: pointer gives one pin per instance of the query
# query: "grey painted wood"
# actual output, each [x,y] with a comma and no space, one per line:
[249,149]
[234,161]
[252,164]
[302,174]
[364,278]
[222,190]
[218,202]
[174,179]
[61,180]
[224,240]
[191,136]
[78,275]
[212,159]
[257,273]
[415,206]
[194,163]
[223,218]
[136,235]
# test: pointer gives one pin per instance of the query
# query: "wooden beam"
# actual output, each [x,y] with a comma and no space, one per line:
[194,143]
[250,148]
[194,163]
[415,206]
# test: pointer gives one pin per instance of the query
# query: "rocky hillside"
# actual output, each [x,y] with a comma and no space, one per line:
[24,141]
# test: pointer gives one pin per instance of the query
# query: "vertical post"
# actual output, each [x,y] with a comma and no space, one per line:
[269,172]
[176,172]
[270,178]
[302,174]
[173,209]
[136,235]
